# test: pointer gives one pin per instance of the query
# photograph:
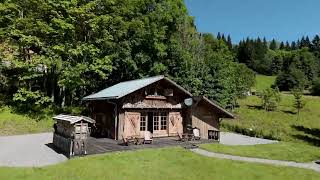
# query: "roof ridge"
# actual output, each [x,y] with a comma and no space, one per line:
[141,79]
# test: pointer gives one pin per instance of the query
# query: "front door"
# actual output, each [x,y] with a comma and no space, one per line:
[160,124]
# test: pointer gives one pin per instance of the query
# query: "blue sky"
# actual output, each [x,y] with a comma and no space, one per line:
[280,19]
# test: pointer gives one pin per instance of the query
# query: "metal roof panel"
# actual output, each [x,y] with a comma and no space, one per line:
[122,89]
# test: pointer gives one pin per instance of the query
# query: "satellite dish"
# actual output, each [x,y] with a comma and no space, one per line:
[188,101]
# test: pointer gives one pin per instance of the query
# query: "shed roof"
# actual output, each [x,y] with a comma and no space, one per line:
[223,112]
[73,119]
[124,88]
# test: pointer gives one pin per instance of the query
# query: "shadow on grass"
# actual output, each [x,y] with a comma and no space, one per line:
[288,112]
[312,135]
[258,107]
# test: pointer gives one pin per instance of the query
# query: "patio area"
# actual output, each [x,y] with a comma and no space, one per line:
[102,145]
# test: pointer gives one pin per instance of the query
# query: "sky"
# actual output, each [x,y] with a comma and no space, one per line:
[284,20]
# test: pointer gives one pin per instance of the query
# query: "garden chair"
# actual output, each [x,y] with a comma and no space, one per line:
[196,134]
[147,137]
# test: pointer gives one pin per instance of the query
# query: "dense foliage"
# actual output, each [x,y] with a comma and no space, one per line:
[62,50]
[296,64]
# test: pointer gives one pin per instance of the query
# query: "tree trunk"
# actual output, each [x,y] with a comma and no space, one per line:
[63,96]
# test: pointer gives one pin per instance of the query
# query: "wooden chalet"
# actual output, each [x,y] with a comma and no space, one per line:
[155,104]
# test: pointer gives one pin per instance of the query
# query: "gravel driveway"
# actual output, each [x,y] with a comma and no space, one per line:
[228,138]
[33,150]
[28,150]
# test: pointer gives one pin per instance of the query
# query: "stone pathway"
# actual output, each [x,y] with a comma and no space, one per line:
[312,166]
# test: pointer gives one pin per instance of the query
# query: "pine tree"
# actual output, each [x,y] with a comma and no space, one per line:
[287,47]
[265,43]
[298,44]
[282,46]
[293,45]
[307,42]
[229,42]
[302,42]
[223,38]
[299,103]
[273,45]
[219,36]
[315,43]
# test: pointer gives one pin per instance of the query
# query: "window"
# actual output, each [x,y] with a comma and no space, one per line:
[143,122]
[163,121]
[155,121]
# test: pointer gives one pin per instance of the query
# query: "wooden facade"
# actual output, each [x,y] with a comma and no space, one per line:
[158,107]
[70,133]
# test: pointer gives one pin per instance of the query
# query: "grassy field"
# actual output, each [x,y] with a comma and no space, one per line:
[263,82]
[169,163]
[300,135]
[282,124]
[298,152]
[12,123]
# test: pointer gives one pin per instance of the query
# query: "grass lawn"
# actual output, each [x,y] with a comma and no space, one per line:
[298,152]
[12,123]
[282,124]
[169,163]
[263,82]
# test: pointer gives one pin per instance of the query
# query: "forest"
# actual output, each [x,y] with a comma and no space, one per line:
[296,64]
[54,52]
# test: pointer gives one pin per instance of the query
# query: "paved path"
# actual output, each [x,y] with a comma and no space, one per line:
[28,150]
[312,166]
[228,138]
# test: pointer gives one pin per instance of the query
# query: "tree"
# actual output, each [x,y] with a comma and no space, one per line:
[315,90]
[223,38]
[299,103]
[287,47]
[282,46]
[273,45]
[219,36]
[293,45]
[229,42]
[270,99]
[315,47]
[292,79]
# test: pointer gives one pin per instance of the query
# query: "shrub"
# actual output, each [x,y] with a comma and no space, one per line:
[270,99]
[30,100]
[294,79]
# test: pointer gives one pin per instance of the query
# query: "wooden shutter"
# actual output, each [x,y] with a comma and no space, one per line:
[131,124]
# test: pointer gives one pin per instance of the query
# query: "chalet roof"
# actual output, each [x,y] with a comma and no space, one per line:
[124,88]
[73,119]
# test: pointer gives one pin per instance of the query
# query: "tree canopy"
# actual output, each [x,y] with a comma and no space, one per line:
[57,51]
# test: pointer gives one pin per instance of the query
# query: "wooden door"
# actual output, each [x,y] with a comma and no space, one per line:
[160,124]
[131,124]
[175,123]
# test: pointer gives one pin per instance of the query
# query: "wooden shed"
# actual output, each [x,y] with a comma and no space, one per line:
[155,104]
[71,133]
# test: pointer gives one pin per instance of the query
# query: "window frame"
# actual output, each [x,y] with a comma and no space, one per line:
[143,121]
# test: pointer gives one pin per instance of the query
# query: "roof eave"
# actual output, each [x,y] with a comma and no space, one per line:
[100,98]
[178,86]
[226,114]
